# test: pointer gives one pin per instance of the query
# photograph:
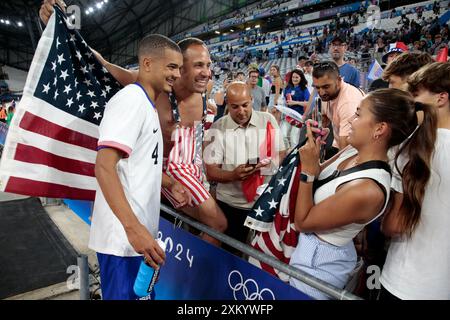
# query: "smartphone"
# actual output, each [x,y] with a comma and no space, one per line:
[318,118]
[317,113]
[252,162]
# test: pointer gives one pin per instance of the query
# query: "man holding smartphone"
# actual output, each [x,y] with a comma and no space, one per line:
[340,101]
[233,154]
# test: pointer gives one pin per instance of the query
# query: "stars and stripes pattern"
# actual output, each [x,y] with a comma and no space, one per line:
[272,216]
[185,165]
[51,145]
[185,162]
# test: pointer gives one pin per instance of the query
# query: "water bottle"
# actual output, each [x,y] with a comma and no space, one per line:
[146,277]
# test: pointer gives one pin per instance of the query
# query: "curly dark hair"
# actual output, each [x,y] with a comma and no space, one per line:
[303,82]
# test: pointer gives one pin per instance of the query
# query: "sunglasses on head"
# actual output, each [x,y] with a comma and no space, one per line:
[325,65]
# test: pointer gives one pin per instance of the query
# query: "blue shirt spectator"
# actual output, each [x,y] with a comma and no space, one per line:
[338,47]
[350,74]
[296,93]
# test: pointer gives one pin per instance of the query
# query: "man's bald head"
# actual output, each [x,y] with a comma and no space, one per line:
[238,89]
[239,102]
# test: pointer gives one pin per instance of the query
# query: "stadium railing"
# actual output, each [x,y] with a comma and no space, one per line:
[333,292]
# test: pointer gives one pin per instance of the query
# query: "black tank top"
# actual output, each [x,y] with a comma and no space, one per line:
[273,90]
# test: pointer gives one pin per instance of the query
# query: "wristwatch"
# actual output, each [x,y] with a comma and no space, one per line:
[307,177]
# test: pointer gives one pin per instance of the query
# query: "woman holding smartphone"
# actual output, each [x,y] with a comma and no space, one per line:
[338,198]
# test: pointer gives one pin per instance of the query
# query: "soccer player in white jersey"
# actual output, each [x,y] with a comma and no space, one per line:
[129,172]
[180,133]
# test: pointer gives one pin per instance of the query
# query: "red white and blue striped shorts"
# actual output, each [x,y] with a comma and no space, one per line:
[184,164]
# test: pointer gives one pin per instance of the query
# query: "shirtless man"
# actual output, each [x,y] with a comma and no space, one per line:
[181,123]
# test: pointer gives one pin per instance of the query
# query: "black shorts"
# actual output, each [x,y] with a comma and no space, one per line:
[236,229]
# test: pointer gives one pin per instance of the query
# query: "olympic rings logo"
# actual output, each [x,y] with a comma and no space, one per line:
[243,288]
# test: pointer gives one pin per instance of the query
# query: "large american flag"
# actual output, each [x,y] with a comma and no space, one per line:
[272,216]
[51,145]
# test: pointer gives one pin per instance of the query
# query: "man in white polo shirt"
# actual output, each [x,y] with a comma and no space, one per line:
[129,172]
[235,153]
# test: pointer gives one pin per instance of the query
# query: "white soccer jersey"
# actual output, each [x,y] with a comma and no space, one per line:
[130,124]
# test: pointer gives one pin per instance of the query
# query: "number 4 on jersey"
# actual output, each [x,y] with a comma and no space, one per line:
[155,154]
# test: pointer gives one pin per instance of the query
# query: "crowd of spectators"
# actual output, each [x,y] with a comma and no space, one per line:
[417,32]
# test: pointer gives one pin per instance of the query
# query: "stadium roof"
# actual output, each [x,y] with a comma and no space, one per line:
[115,27]
[111,29]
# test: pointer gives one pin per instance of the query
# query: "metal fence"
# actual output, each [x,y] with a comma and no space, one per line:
[331,291]
[324,287]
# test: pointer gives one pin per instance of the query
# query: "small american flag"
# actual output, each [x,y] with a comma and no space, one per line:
[272,215]
[51,145]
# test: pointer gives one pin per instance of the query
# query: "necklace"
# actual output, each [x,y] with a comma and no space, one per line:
[353,163]
[347,165]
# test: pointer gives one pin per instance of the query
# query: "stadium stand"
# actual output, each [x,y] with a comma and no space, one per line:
[299,38]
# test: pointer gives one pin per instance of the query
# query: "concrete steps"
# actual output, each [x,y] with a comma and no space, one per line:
[76,231]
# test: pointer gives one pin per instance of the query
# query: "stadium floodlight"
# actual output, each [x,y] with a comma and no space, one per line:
[248,28]
[99,5]
[105,1]
[91,9]
[7,22]
[2,21]
[217,32]
[20,24]
[257,26]
[231,30]
[87,11]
